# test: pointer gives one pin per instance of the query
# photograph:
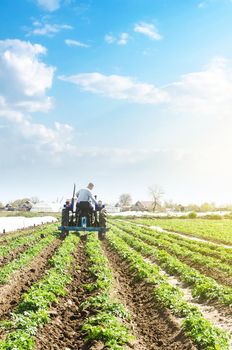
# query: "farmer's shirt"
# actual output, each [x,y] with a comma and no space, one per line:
[85,195]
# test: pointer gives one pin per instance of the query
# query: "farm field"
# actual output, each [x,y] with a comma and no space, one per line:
[138,289]
[219,231]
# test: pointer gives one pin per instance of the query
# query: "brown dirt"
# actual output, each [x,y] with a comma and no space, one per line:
[14,253]
[154,327]
[23,232]
[218,275]
[21,281]
[64,330]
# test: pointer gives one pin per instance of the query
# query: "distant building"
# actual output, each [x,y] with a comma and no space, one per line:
[26,206]
[9,207]
[142,206]
[46,207]
[113,209]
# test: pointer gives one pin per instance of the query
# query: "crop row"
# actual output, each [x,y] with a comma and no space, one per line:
[168,243]
[8,237]
[33,311]
[214,230]
[26,257]
[222,253]
[200,330]
[203,287]
[22,240]
[106,322]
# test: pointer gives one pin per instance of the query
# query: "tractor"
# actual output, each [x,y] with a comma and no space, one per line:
[82,218]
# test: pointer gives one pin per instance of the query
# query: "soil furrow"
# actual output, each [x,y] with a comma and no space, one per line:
[64,330]
[23,232]
[16,252]
[218,315]
[154,327]
[22,280]
[218,275]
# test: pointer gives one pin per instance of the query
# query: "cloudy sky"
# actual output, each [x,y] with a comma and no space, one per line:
[123,93]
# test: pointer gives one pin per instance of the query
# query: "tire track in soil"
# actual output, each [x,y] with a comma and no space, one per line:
[21,281]
[64,330]
[154,327]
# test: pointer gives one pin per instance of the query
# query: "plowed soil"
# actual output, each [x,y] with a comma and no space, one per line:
[22,280]
[64,331]
[14,253]
[219,276]
[25,232]
[153,327]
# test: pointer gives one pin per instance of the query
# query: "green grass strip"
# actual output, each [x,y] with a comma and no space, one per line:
[33,311]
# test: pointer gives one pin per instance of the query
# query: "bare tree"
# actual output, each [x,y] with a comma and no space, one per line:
[156,194]
[34,199]
[125,200]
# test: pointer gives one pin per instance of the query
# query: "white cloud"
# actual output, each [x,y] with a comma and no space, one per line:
[110,39]
[126,155]
[118,87]
[24,78]
[205,92]
[47,29]
[49,5]
[24,82]
[54,139]
[71,42]
[122,39]
[147,29]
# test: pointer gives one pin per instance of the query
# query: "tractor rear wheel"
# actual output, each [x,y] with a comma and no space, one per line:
[102,218]
[65,217]
[63,234]
[101,235]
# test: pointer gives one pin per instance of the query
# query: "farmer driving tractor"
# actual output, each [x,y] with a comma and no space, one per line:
[90,214]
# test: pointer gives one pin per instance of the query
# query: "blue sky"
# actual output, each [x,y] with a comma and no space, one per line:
[125,94]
